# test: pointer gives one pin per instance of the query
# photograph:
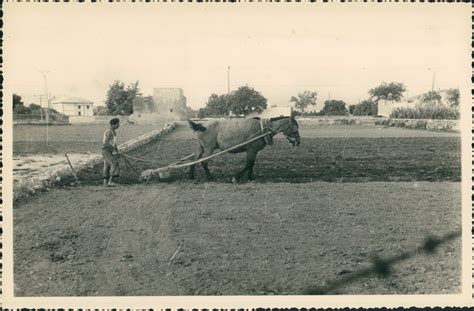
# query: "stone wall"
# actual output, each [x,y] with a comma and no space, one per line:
[425,124]
[95,119]
[336,120]
[34,175]
[55,118]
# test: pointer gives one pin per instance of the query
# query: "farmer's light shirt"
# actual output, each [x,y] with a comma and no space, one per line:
[110,139]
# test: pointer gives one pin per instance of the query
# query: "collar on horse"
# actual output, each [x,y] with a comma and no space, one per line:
[265,128]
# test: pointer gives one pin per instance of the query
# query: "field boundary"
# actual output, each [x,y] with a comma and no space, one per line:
[422,124]
[337,120]
[28,186]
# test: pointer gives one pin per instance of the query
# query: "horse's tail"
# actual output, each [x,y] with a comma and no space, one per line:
[196,126]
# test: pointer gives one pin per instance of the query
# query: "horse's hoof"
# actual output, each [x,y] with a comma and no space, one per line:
[234,180]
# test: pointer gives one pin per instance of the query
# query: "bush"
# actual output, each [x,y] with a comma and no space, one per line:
[333,108]
[426,111]
[365,108]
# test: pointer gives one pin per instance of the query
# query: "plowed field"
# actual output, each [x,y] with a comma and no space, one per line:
[347,200]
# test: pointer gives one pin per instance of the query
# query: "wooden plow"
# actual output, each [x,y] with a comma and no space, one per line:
[164,172]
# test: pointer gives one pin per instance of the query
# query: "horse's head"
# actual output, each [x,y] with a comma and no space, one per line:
[289,127]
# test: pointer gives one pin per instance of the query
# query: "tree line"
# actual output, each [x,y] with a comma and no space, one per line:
[245,100]
[19,107]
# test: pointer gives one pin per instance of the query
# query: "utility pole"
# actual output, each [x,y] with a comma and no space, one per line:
[228,79]
[44,72]
[432,87]
[40,98]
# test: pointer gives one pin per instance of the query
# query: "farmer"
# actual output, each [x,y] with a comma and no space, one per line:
[110,152]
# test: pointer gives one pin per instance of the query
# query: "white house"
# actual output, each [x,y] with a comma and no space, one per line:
[73,106]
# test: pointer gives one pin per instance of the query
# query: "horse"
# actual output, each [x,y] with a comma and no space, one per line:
[225,133]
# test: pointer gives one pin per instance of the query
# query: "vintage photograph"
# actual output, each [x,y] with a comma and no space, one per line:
[248,150]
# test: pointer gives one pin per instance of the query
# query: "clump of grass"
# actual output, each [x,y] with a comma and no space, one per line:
[426,111]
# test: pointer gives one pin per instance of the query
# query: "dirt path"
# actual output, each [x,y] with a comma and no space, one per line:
[248,239]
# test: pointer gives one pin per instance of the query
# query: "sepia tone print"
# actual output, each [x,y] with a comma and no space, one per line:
[189,151]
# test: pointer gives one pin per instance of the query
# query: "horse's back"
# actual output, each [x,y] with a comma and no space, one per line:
[231,132]
[226,133]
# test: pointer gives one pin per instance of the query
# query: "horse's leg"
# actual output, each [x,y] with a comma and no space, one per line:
[205,165]
[198,156]
[252,164]
[249,163]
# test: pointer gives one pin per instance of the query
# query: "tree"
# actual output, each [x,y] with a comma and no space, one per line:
[17,102]
[304,100]
[334,108]
[34,108]
[431,96]
[365,108]
[217,105]
[453,97]
[120,99]
[387,91]
[240,102]
[246,100]
[351,109]
[101,111]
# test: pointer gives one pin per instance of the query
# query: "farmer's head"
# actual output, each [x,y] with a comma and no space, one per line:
[115,123]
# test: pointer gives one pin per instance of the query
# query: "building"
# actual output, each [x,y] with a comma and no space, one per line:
[73,106]
[166,104]
[272,112]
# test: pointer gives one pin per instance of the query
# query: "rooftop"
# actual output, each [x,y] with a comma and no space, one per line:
[71,100]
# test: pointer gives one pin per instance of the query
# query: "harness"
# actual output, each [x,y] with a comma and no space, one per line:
[263,127]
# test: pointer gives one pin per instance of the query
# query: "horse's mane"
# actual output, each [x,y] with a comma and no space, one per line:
[279,118]
[256,118]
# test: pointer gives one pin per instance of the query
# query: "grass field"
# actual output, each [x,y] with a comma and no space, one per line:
[315,214]
[32,139]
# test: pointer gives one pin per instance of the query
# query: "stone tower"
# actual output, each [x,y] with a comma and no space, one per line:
[166,105]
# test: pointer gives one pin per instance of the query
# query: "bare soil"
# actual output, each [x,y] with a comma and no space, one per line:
[335,154]
[251,239]
[318,213]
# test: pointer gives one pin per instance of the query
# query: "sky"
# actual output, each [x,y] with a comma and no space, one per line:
[337,51]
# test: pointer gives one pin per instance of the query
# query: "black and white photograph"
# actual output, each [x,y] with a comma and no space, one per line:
[293,153]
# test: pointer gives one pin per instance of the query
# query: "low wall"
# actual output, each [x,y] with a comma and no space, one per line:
[39,122]
[156,118]
[422,124]
[54,174]
[95,119]
[337,120]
